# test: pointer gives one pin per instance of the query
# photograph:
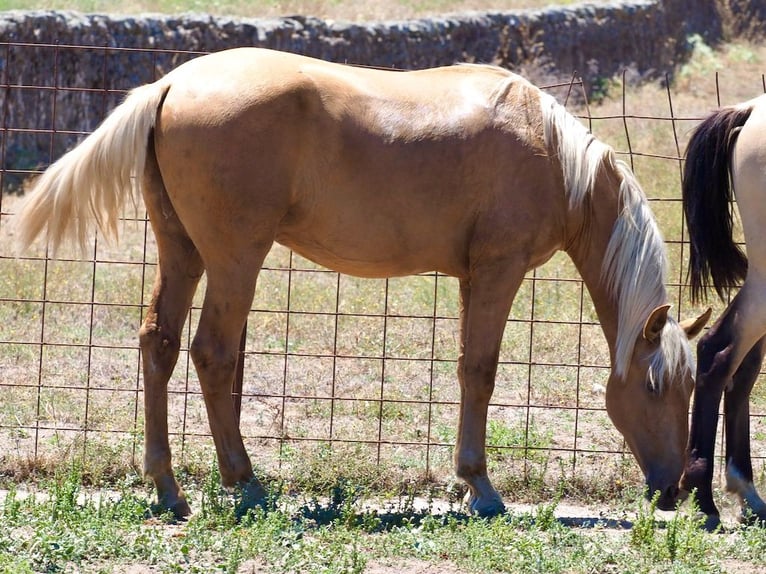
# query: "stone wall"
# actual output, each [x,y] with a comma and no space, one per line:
[593,40]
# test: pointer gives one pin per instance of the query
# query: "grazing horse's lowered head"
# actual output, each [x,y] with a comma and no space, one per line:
[649,404]
[618,249]
[470,171]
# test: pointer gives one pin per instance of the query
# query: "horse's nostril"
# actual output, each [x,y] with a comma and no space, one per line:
[666,497]
[671,492]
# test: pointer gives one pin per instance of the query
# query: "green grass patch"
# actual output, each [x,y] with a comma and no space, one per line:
[64,528]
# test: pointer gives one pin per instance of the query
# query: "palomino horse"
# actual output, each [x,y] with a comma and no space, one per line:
[467,170]
[725,150]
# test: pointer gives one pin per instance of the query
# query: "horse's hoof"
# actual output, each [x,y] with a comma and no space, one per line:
[712,523]
[486,509]
[180,509]
[248,496]
[490,512]
[748,517]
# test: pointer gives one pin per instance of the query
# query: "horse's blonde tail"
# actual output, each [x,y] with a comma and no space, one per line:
[93,181]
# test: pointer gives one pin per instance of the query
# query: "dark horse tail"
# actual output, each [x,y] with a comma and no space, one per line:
[707,200]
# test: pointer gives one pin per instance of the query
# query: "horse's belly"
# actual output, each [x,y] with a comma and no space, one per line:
[374,255]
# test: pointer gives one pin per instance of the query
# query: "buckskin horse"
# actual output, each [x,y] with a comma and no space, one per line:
[725,161]
[467,170]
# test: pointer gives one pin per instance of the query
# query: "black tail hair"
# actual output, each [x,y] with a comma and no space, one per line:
[707,199]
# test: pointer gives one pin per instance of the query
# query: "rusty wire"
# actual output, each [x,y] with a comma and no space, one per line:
[41,382]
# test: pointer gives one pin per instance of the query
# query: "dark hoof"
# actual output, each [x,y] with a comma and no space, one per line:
[249,496]
[490,512]
[180,509]
[749,518]
[712,523]
[486,508]
[667,499]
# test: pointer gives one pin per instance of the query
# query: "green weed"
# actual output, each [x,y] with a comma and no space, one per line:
[63,527]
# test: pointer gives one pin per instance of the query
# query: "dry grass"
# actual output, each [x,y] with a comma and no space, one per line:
[351,10]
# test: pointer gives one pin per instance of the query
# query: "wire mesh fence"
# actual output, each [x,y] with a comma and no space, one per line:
[361,368]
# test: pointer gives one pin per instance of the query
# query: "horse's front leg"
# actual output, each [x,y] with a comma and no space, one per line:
[709,385]
[739,468]
[485,303]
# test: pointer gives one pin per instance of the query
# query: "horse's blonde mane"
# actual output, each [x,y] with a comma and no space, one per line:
[634,266]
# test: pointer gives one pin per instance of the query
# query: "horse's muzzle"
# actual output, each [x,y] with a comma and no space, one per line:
[668,498]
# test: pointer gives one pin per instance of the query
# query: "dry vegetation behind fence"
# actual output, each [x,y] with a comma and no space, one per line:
[341,375]
[350,10]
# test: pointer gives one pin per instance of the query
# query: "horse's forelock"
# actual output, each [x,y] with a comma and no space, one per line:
[673,360]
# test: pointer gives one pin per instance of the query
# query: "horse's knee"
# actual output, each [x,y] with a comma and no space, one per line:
[478,378]
[212,361]
[715,361]
[707,347]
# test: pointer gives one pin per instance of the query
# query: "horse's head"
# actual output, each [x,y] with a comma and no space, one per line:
[649,404]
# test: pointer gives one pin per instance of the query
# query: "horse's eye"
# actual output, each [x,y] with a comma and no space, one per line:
[651,387]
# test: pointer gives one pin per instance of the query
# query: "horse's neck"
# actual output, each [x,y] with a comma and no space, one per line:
[587,248]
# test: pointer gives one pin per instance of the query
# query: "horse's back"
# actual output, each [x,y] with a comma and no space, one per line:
[396,104]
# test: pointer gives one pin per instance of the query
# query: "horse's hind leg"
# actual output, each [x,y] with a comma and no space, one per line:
[178,273]
[720,353]
[739,468]
[748,173]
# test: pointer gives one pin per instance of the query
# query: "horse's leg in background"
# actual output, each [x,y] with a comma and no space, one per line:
[178,273]
[486,300]
[215,351]
[739,469]
[748,173]
[720,352]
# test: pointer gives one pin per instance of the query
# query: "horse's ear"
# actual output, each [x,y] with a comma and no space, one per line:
[693,327]
[655,323]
